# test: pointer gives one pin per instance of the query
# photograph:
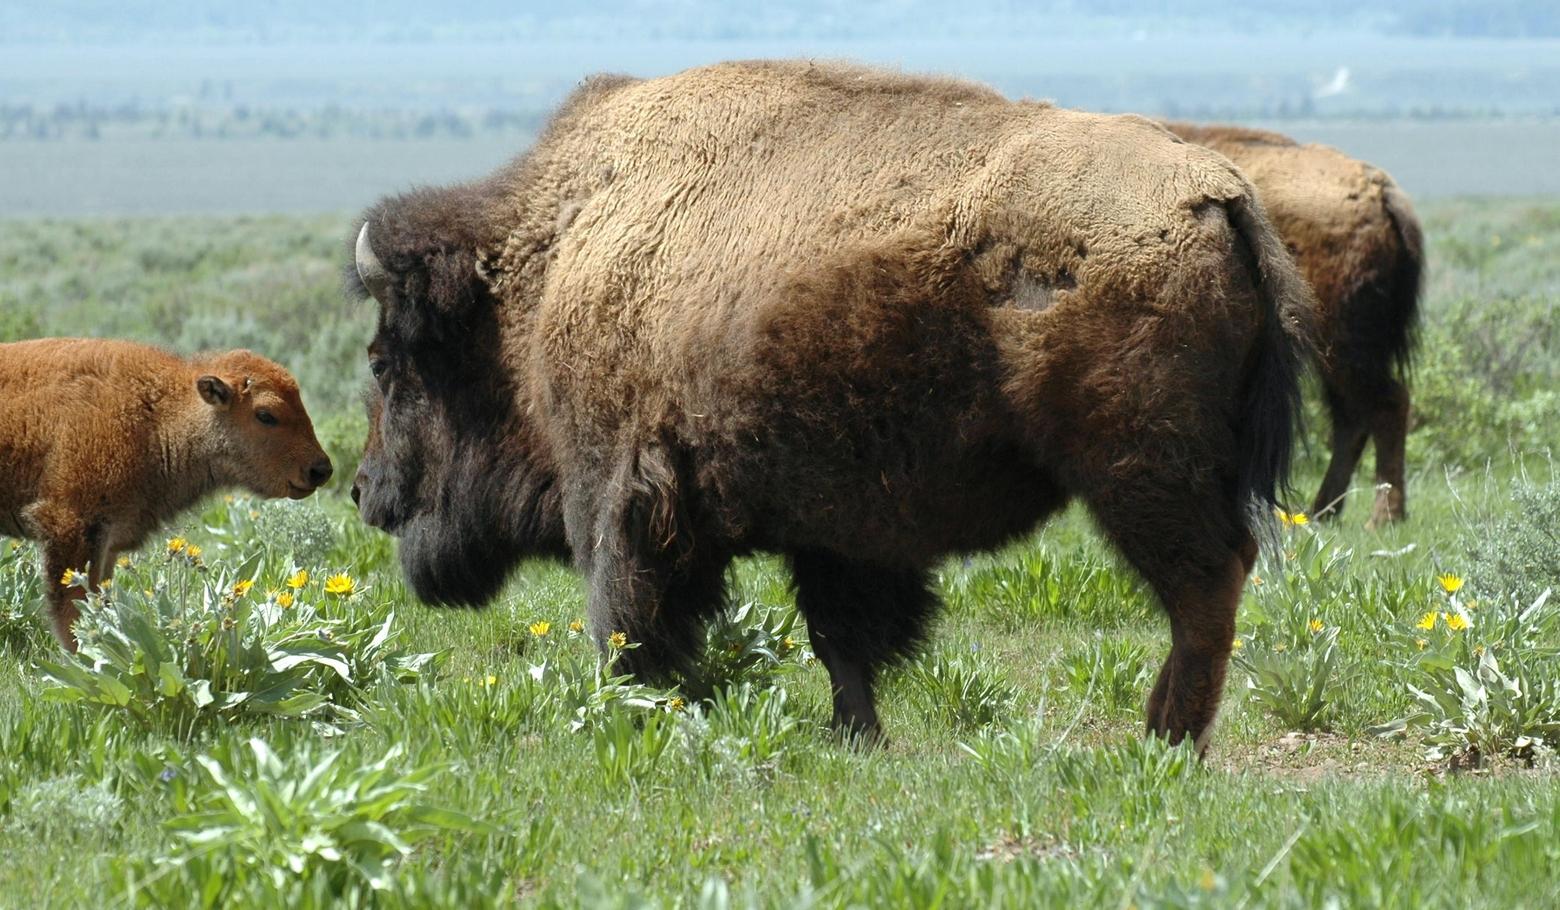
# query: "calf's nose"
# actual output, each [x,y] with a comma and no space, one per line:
[319,472]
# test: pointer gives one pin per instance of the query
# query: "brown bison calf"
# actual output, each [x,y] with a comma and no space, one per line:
[1357,241]
[102,441]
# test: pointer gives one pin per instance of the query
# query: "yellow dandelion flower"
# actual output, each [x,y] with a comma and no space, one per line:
[788,643]
[1450,583]
[340,585]
[1426,621]
[1420,643]
[1237,644]
[676,703]
[1478,650]
[106,583]
[1455,621]
[298,579]
[284,600]
[541,628]
[490,681]
[1283,516]
[177,544]
[1315,625]
[122,562]
[240,588]
[192,551]
[576,626]
[618,640]
[1299,518]
[73,577]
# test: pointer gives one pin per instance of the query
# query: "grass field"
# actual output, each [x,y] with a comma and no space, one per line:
[316,738]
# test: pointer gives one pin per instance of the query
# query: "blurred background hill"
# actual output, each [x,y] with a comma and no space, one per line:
[148,107]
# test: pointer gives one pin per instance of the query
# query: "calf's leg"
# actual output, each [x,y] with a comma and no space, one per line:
[69,544]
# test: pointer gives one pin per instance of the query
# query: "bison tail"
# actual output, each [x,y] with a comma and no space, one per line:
[1400,318]
[1269,404]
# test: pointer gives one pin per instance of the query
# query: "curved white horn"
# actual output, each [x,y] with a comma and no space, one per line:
[370,270]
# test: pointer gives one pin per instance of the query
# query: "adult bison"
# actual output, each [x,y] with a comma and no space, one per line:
[1357,241]
[858,318]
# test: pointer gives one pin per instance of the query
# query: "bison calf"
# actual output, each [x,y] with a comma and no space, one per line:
[102,441]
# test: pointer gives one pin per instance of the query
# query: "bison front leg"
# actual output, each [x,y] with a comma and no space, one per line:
[859,617]
[648,581]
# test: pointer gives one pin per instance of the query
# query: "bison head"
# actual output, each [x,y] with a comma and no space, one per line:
[451,467]
[264,431]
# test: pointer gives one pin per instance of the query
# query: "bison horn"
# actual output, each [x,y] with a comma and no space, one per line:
[370,270]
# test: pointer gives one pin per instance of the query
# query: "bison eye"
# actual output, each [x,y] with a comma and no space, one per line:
[377,366]
[266,417]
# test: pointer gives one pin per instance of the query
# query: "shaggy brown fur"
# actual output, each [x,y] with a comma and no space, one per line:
[103,441]
[859,318]
[1357,241]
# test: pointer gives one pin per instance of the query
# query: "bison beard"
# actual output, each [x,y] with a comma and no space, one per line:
[721,321]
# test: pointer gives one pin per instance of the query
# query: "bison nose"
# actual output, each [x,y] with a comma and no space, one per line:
[319,472]
[357,494]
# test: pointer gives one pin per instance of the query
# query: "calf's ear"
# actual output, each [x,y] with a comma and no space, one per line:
[214,391]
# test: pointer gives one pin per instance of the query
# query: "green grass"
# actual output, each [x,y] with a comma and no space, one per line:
[515,770]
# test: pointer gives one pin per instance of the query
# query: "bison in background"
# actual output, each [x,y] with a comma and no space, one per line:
[103,441]
[1357,241]
[861,319]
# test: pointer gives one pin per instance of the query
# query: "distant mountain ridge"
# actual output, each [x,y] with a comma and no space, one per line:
[125,21]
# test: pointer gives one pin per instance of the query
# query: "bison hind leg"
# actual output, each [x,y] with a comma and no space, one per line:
[860,618]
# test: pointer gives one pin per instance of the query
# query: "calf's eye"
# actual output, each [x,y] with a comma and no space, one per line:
[266,417]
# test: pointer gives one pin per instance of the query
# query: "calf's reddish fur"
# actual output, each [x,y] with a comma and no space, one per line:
[103,441]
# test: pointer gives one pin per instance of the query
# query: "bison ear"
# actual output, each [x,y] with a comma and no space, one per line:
[214,391]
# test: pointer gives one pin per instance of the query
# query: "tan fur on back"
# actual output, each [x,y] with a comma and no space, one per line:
[1334,212]
[683,199]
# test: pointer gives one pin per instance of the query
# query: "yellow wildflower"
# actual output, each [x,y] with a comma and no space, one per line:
[298,579]
[618,640]
[1450,583]
[541,628]
[228,499]
[1300,518]
[490,681]
[240,588]
[1455,621]
[106,583]
[340,585]
[1237,644]
[284,600]
[1292,519]
[73,577]
[576,626]
[1420,643]
[1280,648]
[1478,650]
[1315,625]
[788,643]
[177,544]
[1426,621]
[676,703]
[123,562]
[192,551]
[1257,580]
